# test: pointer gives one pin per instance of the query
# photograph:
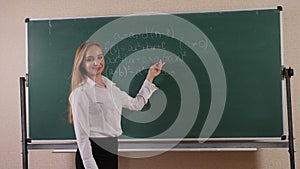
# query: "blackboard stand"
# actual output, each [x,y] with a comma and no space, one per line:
[24,123]
[287,73]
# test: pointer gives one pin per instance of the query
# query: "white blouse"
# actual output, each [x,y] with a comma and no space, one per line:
[97,112]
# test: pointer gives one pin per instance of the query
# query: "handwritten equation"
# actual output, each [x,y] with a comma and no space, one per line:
[150,40]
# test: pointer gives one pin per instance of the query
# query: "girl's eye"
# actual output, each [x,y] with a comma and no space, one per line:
[100,57]
[88,59]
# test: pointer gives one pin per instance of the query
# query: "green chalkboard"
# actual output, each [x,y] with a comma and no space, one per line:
[222,77]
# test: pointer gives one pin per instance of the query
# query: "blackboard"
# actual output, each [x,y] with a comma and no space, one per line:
[222,78]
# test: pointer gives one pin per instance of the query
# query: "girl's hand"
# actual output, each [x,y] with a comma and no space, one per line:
[155,70]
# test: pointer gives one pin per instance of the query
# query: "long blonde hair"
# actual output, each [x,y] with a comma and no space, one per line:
[79,76]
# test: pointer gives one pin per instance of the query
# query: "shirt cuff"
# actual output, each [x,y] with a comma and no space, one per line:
[147,89]
[150,86]
[90,164]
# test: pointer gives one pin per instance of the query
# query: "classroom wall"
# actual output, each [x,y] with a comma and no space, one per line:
[13,61]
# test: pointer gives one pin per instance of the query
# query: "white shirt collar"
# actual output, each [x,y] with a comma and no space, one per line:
[90,83]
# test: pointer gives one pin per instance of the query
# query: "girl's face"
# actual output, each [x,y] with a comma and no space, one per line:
[93,62]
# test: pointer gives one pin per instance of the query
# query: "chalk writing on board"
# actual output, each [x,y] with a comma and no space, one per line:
[152,38]
[122,57]
[150,32]
[136,46]
[200,43]
[125,70]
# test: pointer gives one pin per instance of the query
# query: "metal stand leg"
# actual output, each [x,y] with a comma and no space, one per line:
[287,74]
[23,123]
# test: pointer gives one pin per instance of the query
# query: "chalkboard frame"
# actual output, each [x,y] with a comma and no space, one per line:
[186,139]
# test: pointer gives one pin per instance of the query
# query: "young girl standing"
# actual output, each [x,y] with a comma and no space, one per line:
[95,107]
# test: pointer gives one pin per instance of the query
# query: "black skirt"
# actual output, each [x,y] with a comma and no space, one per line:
[105,152]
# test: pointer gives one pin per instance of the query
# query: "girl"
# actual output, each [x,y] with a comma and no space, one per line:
[96,105]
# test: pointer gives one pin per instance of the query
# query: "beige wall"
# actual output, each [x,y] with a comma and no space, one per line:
[13,61]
